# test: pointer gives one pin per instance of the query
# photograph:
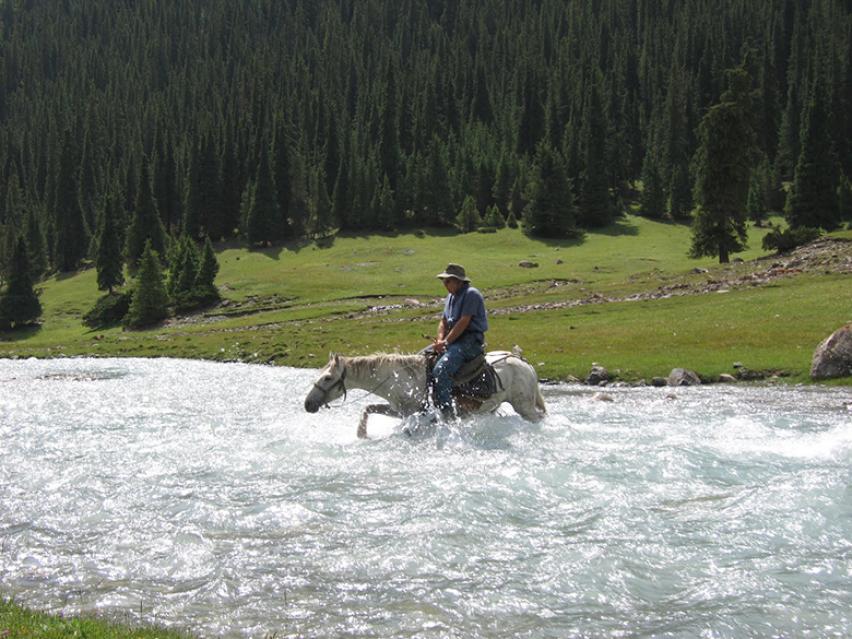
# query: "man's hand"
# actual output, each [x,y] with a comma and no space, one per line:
[440,346]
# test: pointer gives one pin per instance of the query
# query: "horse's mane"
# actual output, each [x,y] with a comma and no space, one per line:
[366,364]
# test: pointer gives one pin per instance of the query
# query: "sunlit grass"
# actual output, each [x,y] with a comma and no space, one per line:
[294,304]
[17,622]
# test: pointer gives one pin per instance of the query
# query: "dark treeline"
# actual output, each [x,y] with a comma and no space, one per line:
[275,120]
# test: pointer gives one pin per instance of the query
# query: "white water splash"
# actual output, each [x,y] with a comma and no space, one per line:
[202,496]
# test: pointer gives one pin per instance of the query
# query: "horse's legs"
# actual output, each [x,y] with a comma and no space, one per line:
[374,409]
[524,396]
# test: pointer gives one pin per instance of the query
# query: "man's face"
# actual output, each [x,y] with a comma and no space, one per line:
[452,284]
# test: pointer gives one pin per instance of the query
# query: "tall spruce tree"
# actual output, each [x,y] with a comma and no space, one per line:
[208,268]
[652,201]
[722,168]
[551,211]
[145,224]
[264,217]
[36,247]
[72,240]
[596,208]
[812,201]
[150,300]
[182,270]
[203,208]
[109,261]
[19,304]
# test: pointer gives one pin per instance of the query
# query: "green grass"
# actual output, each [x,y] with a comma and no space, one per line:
[17,622]
[293,305]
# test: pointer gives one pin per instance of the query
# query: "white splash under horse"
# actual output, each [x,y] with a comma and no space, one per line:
[401,381]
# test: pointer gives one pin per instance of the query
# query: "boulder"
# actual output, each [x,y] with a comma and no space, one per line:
[833,357]
[597,375]
[683,377]
[658,382]
[727,379]
[528,264]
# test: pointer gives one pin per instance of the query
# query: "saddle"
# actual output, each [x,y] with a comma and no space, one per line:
[475,380]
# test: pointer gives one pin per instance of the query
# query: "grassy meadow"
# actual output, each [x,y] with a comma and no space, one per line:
[292,305]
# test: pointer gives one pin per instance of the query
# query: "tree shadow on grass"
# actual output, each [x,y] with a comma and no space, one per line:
[274,251]
[20,333]
[619,228]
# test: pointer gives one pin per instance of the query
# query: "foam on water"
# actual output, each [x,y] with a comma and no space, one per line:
[202,496]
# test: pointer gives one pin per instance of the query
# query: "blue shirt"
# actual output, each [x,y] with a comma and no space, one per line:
[467,301]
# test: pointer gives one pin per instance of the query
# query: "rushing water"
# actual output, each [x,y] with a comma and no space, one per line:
[202,496]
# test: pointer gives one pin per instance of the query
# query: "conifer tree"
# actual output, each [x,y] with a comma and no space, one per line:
[109,260]
[183,270]
[468,218]
[72,241]
[282,180]
[484,184]
[531,124]
[208,268]
[551,211]
[341,198]
[436,195]
[165,187]
[145,223]
[493,218]
[264,216]
[502,189]
[595,205]
[150,300]
[652,201]
[812,200]
[232,188]
[755,202]
[680,200]
[322,214]
[722,167]
[36,247]
[389,151]
[203,210]
[19,305]
[481,106]
[384,205]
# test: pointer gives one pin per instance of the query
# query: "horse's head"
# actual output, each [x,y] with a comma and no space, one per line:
[330,385]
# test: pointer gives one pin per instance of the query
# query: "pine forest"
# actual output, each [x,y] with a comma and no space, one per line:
[129,125]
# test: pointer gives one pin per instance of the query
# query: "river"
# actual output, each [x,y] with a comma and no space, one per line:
[201,496]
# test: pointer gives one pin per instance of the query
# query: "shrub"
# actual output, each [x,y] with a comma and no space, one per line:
[109,310]
[781,241]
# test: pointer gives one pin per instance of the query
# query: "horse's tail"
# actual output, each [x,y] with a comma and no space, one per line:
[539,401]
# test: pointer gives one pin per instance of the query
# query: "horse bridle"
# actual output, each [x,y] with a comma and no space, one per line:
[340,382]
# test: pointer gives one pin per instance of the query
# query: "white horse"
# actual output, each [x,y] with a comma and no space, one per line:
[401,381]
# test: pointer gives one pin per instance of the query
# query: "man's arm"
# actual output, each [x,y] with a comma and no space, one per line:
[448,338]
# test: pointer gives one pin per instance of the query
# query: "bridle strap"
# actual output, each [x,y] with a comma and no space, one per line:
[340,382]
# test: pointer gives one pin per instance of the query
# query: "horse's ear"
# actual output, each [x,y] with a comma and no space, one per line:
[333,357]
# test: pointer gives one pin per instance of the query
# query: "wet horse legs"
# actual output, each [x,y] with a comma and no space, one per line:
[373,409]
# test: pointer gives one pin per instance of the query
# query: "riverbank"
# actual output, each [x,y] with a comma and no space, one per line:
[18,622]
[627,298]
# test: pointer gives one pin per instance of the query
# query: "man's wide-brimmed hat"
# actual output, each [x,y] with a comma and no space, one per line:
[456,271]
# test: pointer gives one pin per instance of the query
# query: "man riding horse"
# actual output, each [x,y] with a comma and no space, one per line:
[461,333]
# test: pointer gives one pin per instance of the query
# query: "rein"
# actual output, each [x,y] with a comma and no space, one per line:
[342,384]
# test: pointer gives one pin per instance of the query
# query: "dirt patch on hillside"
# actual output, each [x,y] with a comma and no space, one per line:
[824,256]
